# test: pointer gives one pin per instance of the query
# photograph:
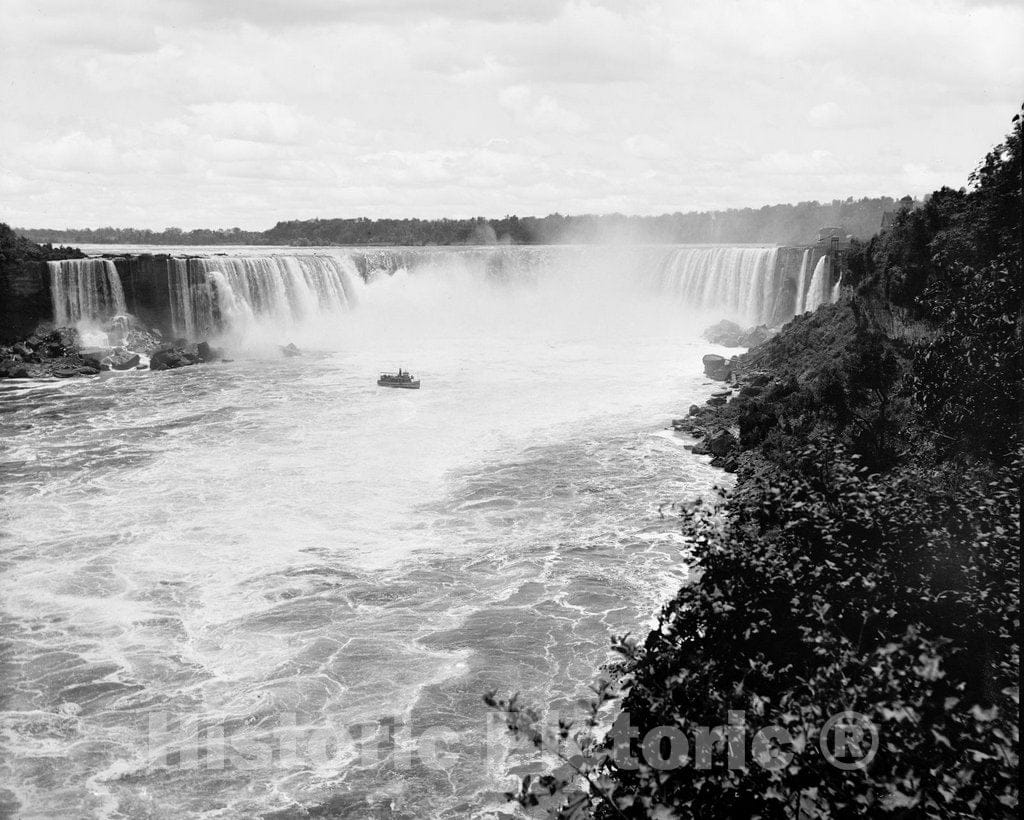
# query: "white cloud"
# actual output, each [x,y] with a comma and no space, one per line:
[539,113]
[645,146]
[813,162]
[254,122]
[195,113]
[825,115]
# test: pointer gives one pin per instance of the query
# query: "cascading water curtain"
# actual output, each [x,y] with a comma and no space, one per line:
[819,291]
[801,284]
[738,282]
[229,293]
[192,309]
[85,290]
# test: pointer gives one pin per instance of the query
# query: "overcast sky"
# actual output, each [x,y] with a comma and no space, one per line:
[222,114]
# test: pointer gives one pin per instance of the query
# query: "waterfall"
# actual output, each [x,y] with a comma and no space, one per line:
[738,282]
[818,291]
[191,301]
[801,285]
[835,290]
[85,290]
[232,292]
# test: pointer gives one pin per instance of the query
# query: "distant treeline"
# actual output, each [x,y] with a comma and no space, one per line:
[779,224]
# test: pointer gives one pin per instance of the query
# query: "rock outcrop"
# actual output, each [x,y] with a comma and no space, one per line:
[730,334]
[57,352]
[183,354]
[717,367]
[25,283]
[47,352]
[730,417]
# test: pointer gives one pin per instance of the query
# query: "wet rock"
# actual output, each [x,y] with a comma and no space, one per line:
[170,358]
[721,443]
[206,353]
[694,409]
[687,425]
[21,349]
[717,367]
[67,337]
[143,341]
[11,369]
[727,463]
[55,342]
[123,360]
[96,354]
[51,351]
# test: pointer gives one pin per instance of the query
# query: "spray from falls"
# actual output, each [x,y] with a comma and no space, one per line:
[85,290]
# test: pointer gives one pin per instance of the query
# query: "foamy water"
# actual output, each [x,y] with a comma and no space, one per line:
[278,553]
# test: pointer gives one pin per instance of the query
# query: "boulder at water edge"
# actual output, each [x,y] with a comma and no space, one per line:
[169,358]
[717,367]
[721,443]
[122,360]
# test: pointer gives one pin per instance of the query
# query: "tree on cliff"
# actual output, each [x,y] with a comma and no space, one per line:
[15,248]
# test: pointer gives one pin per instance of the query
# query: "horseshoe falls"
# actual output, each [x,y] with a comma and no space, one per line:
[262,295]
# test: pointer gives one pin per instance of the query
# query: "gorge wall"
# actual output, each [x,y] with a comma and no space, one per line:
[25,298]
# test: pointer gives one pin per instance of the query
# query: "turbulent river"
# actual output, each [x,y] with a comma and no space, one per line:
[267,587]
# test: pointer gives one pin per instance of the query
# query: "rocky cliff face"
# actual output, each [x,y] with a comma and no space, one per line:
[25,283]
[145,279]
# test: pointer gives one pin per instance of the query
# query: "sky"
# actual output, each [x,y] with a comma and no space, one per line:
[239,114]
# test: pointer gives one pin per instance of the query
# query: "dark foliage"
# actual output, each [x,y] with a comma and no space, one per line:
[829,589]
[15,248]
[867,560]
[969,376]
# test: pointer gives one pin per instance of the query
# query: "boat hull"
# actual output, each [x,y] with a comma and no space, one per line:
[413,385]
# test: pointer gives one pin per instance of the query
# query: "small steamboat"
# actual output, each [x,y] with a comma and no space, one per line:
[402,379]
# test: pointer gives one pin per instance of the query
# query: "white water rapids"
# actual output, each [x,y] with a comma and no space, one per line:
[218,582]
